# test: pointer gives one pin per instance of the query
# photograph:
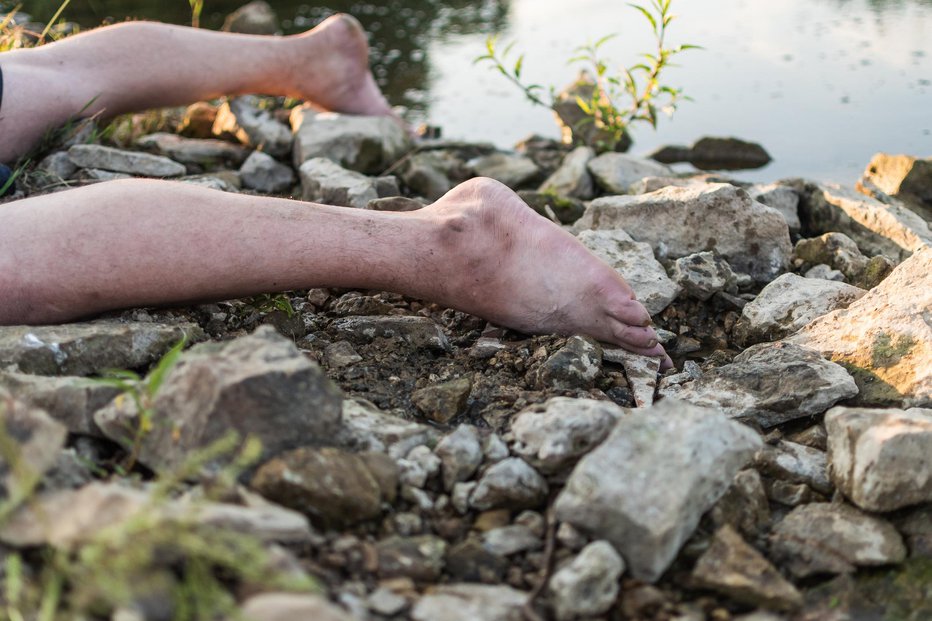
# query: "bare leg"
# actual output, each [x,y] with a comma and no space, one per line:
[140,65]
[478,249]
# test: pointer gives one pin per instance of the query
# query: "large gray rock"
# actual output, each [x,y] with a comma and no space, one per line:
[782,198]
[242,119]
[636,263]
[877,228]
[795,463]
[904,177]
[704,274]
[615,172]
[96,156]
[508,168]
[789,303]
[646,486]
[881,459]
[885,338]
[770,383]
[324,181]
[588,585]
[834,538]
[553,435]
[263,172]
[91,347]
[366,144]
[32,442]
[509,484]
[468,602]
[677,222]
[259,385]
[192,151]
[71,401]
[572,178]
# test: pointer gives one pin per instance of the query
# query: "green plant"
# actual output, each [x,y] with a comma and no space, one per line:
[268,302]
[196,7]
[615,100]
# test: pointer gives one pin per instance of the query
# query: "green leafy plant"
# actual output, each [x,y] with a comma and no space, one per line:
[614,100]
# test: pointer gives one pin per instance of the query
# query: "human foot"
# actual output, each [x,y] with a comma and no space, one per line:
[336,76]
[503,262]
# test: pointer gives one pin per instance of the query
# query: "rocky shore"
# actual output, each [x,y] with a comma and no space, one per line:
[361,455]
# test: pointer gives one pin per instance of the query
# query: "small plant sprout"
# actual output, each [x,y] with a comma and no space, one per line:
[614,100]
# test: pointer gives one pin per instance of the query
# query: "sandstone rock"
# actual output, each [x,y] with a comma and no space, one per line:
[554,434]
[91,347]
[262,172]
[468,602]
[508,168]
[509,484]
[192,151]
[129,162]
[904,177]
[588,585]
[880,459]
[415,331]
[704,274]
[783,199]
[574,366]
[419,558]
[641,372]
[733,568]
[885,338]
[572,178]
[892,230]
[840,252]
[789,303]
[366,144]
[770,383]
[711,153]
[795,463]
[71,401]
[323,181]
[828,538]
[677,222]
[646,495]
[242,119]
[32,442]
[258,385]
[615,172]
[460,454]
[443,402]
[256,17]
[636,263]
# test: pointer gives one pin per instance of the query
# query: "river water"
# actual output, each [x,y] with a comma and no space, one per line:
[822,84]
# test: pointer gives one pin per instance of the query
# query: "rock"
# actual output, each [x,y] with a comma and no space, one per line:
[770,383]
[130,162]
[415,331]
[892,230]
[90,347]
[262,172]
[645,495]
[916,527]
[704,274]
[884,339]
[259,385]
[509,484]
[31,445]
[576,126]
[677,222]
[733,568]
[615,172]
[834,538]
[394,203]
[588,585]
[332,487]
[419,558]
[443,402]
[641,372]
[574,366]
[366,428]
[211,182]
[494,448]
[242,119]
[428,173]
[796,463]
[671,154]
[553,207]
[460,455]
[572,178]
[509,540]
[727,154]
[386,602]
[365,144]
[71,401]
[325,182]
[636,263]
[211,153]
[290,606]
[782,198]
[419,465]
[58,165]
[789,303]
[88,176]
[744,506]
[341,354]
[198,121]
[824,272]
[880,459]
[70,471]
[904,177]
[468,602]
[508,168]
[553,435]
[791,494]
[256,18]
[840,252]
[469,561]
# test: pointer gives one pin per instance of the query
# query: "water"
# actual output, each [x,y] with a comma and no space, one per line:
[822,84]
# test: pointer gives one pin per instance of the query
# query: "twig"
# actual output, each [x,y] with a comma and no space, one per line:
[550,545]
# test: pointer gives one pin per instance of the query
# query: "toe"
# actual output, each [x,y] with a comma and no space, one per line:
[656,351]
[637,336]
[630,312]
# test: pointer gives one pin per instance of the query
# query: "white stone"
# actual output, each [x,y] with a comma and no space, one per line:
[326,182]
[588,585]
[615,172]
[460,454]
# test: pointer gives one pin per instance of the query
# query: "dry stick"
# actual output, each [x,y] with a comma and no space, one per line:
[549,547]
